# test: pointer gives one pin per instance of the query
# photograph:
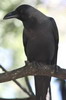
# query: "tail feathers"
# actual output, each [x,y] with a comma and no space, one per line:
[42,83]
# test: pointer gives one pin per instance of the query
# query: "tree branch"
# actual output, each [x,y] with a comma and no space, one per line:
[18,84]
[34,68]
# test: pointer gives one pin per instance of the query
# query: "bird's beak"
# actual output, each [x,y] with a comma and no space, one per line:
[10,15]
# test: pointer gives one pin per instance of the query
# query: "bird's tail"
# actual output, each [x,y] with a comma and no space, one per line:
[42,83]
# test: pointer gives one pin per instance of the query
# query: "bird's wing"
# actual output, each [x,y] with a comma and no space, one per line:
[56,38]
[25,40]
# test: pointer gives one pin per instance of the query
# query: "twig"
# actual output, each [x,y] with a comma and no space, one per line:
[28,84]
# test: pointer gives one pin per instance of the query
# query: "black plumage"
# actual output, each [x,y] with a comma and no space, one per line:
[40,39]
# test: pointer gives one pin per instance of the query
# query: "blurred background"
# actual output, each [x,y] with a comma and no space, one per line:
[12,54]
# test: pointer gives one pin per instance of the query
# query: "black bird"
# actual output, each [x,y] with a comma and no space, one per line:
[40,39]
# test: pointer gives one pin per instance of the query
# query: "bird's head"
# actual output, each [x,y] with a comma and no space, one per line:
[30,16]
[20,13]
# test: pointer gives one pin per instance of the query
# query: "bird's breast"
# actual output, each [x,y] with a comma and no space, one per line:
[40,48]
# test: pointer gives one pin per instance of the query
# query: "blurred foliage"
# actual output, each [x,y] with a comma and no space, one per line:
[11,31]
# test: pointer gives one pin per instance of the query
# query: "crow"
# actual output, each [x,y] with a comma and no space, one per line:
[40,39]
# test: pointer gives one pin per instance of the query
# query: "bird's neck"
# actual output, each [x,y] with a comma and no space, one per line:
[30,24]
